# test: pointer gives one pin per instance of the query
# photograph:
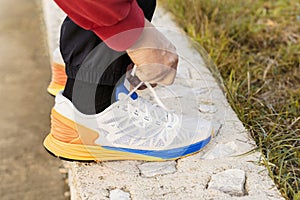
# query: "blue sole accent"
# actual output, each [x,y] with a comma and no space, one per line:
[166,154]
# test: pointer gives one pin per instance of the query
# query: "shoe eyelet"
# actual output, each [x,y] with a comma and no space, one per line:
[147,118]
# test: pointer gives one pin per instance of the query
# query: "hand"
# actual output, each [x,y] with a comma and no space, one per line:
[134,80]
[155,57]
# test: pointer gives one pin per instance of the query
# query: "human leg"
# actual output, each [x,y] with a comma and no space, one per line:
[75,44]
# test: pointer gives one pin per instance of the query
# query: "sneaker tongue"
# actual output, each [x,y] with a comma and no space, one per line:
[122,89]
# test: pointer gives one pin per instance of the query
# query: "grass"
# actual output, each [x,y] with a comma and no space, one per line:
[255,45]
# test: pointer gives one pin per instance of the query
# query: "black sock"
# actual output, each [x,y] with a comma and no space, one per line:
[88,98]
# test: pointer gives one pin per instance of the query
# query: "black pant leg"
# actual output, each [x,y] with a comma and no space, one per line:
[75,45]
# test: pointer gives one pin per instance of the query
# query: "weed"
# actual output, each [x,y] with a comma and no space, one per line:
[255,45]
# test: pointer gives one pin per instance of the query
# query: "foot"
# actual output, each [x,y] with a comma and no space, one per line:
[132,128]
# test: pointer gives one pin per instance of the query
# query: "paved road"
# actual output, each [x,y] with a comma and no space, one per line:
[26,170]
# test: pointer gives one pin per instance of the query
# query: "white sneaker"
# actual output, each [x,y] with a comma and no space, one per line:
[129,129]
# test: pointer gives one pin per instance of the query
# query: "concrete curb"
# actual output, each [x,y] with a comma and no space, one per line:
[214,173]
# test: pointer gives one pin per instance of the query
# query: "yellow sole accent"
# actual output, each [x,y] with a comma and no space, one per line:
[54,88]
[61,144]
[87,152]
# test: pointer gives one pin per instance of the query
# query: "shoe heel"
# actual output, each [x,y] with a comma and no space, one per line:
[58,80]
[64,140]
[63,130]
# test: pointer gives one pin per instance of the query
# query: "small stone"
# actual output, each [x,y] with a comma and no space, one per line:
[63,170]
[221,151]
[66,181]
[207,108]
[153,169]
[119,195]
[67,194]
[231,181]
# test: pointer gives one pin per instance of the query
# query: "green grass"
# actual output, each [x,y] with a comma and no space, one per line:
[255,46]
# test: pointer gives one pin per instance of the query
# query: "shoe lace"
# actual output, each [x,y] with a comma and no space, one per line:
[157,111]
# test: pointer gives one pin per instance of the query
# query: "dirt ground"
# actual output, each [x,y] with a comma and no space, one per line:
[27,171]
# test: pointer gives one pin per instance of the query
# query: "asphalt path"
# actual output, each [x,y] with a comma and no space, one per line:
[27,171]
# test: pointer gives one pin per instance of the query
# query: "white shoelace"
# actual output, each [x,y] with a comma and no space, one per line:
[147,123]
[148,85]
[170,117]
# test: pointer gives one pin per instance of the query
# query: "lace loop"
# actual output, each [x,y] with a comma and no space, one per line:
[148,85]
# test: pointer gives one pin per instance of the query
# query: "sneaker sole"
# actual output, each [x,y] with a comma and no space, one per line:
[55,88]
[78,152]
